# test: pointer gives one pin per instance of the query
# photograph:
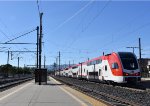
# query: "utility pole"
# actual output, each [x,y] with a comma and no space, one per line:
[18,63]
[11,55]
[40,48]
[132,48]
[8,58]
[140,52]
[103,53]
[69,63]
[56,62]
[73,62]
[37,47]
[59,63]
[44,60]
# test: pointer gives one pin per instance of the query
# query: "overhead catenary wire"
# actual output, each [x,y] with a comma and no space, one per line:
[99,13]
[92,20]
[21,35]
[74,15]
[127,33]
[69,19]
[6,27]
[4,34]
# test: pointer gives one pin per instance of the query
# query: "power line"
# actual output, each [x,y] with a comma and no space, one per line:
[18,43]
[7,30]
[20,36]
[75,14]
[93,19]
[132,48]
[18,51]
[4,34]
[100,12]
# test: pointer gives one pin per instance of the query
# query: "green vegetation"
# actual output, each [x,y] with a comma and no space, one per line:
[8,70]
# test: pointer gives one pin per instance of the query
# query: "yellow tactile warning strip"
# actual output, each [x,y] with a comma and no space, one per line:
[82,96]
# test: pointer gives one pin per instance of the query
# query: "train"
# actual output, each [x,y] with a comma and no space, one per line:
[116,67]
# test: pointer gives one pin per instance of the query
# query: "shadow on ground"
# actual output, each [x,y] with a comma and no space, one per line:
[53,84]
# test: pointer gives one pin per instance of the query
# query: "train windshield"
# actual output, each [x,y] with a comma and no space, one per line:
[129,61]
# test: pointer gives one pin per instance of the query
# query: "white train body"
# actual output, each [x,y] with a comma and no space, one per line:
[121,67]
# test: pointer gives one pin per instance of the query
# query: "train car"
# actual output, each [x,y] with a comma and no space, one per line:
[65,72]
[70,72]
[75,69]
[121,67]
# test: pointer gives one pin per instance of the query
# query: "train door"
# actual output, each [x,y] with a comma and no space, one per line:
[100,73]
[95,72]
[87,75]
[104,71]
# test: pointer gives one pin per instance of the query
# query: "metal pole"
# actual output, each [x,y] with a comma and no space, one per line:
[18,63]
[11,55]
[140,52]
[44,60]
[37,47]
[56,62]
[40,48]
[8,58]
[81,70]
[73,62]
[59,63]
[132,48]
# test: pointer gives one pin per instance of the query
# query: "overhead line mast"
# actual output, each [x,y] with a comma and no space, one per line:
[132,48]
[40,48]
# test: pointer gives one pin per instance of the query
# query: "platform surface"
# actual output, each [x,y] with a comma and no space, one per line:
[31,94]
[145,79]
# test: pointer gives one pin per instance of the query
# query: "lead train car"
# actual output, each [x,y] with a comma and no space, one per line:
[121,67]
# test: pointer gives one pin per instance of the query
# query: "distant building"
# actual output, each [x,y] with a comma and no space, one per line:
[145,64]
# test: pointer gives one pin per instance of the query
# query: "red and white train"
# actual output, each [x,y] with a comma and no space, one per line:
[120,67]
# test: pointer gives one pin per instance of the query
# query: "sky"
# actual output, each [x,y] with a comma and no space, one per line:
[78,29]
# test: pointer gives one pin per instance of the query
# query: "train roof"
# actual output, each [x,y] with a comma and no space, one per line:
[100,57]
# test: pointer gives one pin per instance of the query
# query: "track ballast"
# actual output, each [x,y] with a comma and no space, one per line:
[112,95]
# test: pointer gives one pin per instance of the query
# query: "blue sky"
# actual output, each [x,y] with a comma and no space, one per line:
[78,29]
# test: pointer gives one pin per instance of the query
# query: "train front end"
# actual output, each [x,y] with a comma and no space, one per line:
[130,67]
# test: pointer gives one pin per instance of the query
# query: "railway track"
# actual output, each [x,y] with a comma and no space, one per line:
[112,95]
[10,82]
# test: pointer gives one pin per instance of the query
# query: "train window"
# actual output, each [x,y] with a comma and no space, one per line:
[99,71]
[74,73]
[128,60]
[115,66]
[94,62]
[105,67]
[87,72]
[84,70]
[98,61]
[74,67]
[91,63]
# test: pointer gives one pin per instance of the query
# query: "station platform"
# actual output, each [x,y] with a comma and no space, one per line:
[145,79]
[31,94]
